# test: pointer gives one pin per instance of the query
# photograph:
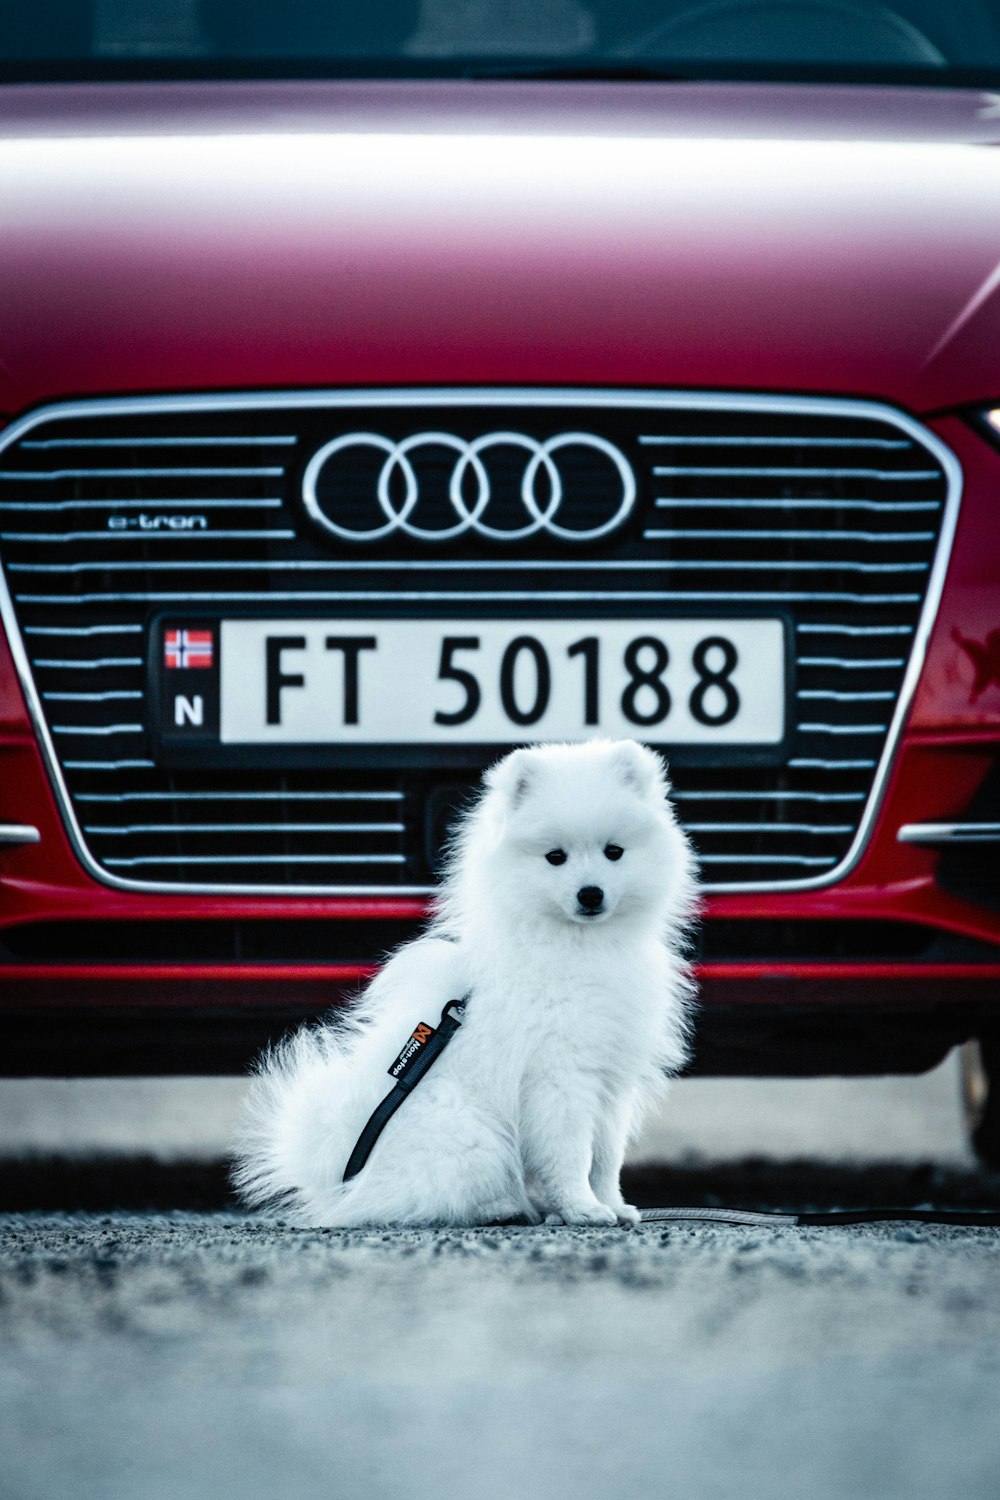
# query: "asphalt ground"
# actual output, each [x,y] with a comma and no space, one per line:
[155,1342]
[174,1355]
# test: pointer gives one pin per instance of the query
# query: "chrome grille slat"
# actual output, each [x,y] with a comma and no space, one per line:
[676,471]
[212,441]
[775,565]
[718,795]
[47,475]
[129,829]
[756,502]
[744,440]
[834,541]
[108,765]
[787,565]
[810,830]
[260,859]
[83,630]
[363,565]
[184,797]
[460,596]
[812,862]
[811,763]
[803,627]
[843,728]
[122,536]
[42,508]
[838,663]
[92,697]
[836,697]
[748,535]
[93,666]
[98,729]
[217,796]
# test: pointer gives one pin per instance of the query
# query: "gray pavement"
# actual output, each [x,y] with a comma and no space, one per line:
[179,1357]
[176,1356]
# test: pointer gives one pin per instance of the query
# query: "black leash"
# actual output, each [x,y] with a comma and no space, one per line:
[422,1050]
[425,1045]
[764,1218]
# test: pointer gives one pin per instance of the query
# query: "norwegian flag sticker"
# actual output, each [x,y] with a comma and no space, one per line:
[187,648]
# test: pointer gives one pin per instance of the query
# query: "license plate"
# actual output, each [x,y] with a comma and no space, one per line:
[350,683]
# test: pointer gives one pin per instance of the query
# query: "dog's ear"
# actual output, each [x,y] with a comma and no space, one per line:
[641,769]
[512,777]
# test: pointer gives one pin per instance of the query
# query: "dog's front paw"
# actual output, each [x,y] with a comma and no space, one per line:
[624,1213]
[582,1213]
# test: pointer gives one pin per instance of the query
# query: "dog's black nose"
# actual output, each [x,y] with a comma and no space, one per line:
[591,897]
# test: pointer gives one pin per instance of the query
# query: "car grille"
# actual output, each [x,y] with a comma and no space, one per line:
[834,515]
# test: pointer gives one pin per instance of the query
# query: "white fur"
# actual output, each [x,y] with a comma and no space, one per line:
[572,1024]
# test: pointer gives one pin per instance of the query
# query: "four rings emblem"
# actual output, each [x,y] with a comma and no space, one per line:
[401,491]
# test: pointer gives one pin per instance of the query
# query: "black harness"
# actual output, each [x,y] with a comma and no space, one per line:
[422,1050]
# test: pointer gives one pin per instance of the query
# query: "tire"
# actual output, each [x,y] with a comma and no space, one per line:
[981,1097]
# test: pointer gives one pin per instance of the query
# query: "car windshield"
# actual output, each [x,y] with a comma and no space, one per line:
[918,41]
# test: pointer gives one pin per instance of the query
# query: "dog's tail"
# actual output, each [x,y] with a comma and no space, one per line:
[293,1140]
[310,1096]
[458,1167]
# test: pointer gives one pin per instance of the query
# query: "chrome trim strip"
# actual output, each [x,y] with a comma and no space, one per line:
[260,859]
[392,565]
[98,729]
[136,536]
[62,630]
[109,765]
[754,442]
[879,474]
[14,835]
[163,442]
[826,564]
[734,502]
[181,797]
[460,596]
[44,475]
[746,535]
[765,859]
[116,696]
[806,628]
[852,666]
[828,693]
[92,666]
[820,830]
[512,396]
[230,503]
[742,796]
[843,728]
[130,828]
[244,797]
[949,833]
[806,763]
[663,565]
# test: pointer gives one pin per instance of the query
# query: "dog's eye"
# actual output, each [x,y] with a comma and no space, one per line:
[613,851]
[557,856]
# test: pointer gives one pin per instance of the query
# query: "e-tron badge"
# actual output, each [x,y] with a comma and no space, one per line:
[500,487]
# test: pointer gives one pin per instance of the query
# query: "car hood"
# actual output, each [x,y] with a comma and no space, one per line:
[248,235]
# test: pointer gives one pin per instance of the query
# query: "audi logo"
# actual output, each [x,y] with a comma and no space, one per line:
[402,487]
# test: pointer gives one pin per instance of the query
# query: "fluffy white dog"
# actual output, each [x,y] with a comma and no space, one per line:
[562,919]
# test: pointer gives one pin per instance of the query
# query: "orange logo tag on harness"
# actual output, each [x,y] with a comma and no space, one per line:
[421,1035]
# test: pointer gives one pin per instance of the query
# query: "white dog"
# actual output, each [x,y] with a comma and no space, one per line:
[562,922]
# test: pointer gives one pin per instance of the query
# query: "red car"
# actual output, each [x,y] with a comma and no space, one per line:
[384,387]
